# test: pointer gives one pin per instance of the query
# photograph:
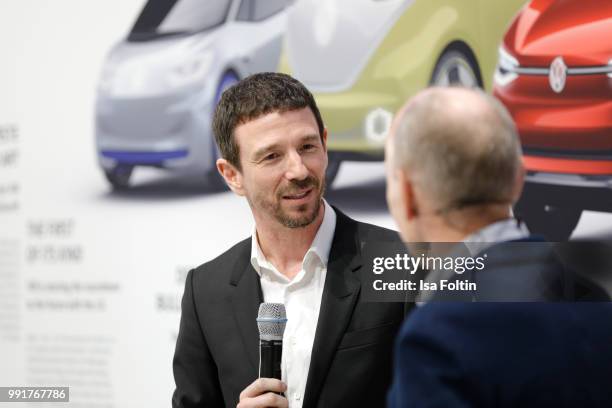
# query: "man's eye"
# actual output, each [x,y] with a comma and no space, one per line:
[270,156]
[308,147]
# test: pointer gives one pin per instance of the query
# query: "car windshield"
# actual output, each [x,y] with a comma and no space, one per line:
[178,17]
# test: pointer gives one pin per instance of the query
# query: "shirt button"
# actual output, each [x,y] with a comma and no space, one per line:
[297,396]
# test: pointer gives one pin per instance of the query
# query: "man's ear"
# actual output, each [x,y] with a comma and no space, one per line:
[519,182]
[408,195]
[231,175]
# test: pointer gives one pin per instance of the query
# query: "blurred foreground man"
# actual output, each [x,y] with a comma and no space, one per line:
[303,253]
[453,171]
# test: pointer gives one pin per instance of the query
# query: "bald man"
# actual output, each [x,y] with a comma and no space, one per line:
[454,170]
[454,166]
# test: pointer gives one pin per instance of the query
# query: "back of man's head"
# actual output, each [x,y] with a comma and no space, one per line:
[460,147]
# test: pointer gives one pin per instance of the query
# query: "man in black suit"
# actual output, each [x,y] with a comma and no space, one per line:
[303,253]
[453,172]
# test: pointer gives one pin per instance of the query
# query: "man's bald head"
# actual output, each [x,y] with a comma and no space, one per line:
[459,146]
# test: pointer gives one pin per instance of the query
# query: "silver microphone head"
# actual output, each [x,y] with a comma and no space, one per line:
[271,321]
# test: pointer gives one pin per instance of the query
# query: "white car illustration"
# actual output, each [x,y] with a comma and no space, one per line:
[159,86]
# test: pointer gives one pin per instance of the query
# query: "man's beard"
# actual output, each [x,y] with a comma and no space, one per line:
[302,220]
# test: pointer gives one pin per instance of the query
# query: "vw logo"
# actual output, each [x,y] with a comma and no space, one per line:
[557,75]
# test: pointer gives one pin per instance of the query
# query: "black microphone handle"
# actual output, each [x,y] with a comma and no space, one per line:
[270,355]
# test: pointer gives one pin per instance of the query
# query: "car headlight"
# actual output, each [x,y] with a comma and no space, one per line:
[191,71]
[507,67]
[377,124]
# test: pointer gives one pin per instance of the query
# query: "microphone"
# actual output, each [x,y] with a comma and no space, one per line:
[271,321]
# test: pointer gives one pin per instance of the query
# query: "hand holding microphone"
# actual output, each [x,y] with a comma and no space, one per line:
[267,390]
[264,393]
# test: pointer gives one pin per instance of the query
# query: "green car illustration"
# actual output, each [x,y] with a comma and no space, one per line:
[363,58]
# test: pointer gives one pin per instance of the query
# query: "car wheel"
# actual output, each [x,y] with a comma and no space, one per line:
[119,176]
[456,68]
[333,166]
[213,178]
[553,223]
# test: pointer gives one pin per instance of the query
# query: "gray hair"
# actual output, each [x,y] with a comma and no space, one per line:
[460,147]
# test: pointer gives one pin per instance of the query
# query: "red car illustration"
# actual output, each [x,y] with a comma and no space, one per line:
[555,77]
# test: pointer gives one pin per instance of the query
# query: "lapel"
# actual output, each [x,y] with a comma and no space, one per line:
[339,296]
[245,301]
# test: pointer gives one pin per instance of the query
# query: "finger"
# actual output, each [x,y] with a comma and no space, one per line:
[272,400]
[267,400]
[261,386]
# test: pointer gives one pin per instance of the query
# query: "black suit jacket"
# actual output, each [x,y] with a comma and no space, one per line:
[216,353]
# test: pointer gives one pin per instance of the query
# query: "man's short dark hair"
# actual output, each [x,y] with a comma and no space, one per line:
[255,96]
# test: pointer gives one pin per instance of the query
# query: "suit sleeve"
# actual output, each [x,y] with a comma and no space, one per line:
[427,371]
[195,371]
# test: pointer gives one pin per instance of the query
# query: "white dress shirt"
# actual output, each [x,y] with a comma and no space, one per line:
[302,299]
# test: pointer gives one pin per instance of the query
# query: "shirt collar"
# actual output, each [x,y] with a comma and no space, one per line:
[320,247]
[509,229]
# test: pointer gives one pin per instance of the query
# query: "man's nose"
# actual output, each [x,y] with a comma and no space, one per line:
[296,170]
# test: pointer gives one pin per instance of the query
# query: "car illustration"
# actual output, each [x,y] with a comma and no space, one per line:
[555,78]
[159,86]
[364,58]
